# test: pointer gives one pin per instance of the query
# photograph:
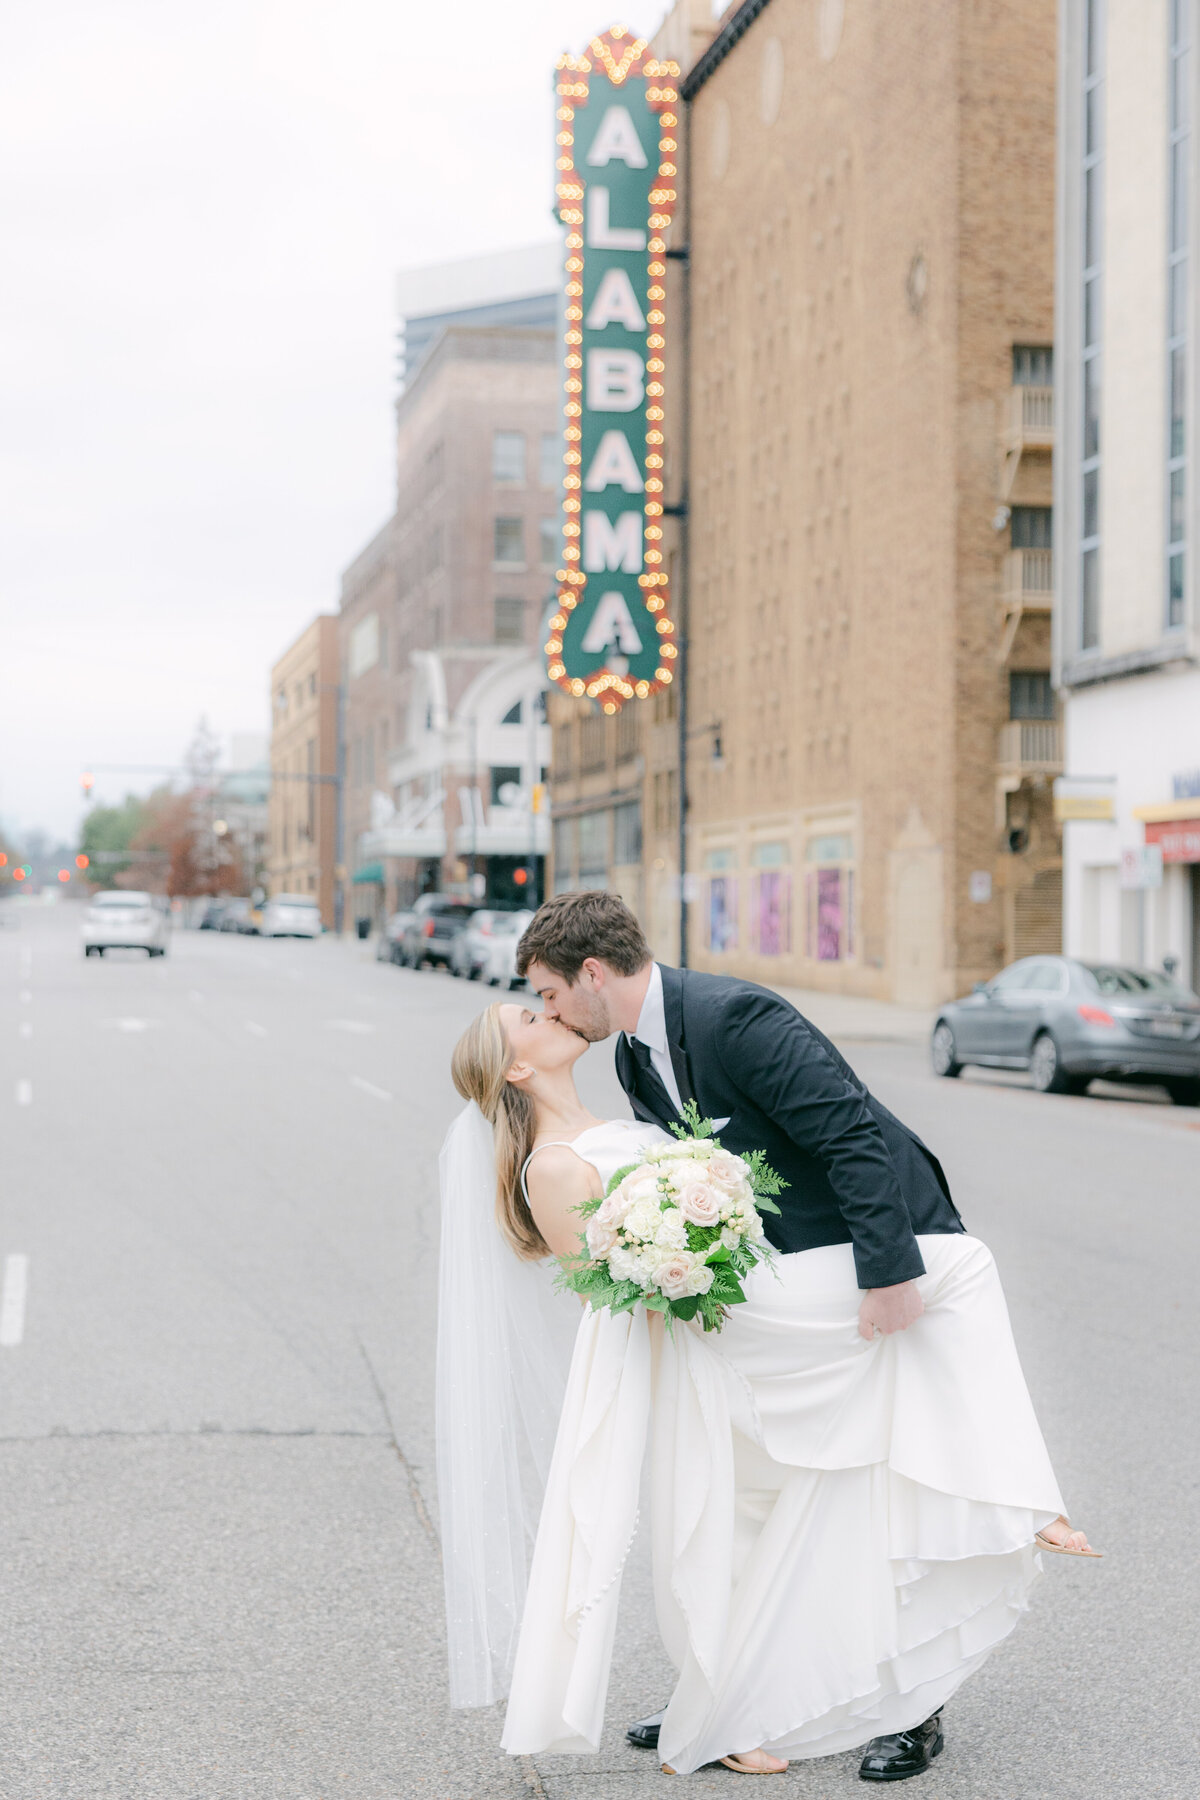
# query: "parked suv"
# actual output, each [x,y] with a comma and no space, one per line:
[429,935]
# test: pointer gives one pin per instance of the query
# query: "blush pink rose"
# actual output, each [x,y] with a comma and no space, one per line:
[726,1170]
[700,1203]
[612,1208]
[674,1275]
[601,1236]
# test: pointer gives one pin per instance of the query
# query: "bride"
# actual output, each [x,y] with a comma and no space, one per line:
[842,1529]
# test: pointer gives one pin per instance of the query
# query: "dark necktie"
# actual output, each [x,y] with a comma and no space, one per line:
[651,1086]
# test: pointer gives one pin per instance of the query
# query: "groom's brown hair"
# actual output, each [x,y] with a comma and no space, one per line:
[571,927]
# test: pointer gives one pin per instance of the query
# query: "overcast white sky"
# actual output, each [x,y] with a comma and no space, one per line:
[202,208]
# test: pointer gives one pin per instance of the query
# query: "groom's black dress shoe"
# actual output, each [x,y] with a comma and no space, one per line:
[904,1753]
[644,1734]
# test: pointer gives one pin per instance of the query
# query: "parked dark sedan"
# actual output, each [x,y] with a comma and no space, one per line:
[435,922]
[1068,1022]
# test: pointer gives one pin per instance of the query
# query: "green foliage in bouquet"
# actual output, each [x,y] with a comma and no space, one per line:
[673,1233]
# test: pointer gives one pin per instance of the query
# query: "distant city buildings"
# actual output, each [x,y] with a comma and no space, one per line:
[302,818]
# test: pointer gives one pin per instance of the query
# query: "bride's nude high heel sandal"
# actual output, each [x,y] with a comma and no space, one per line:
[1044,1543]
[741,1768]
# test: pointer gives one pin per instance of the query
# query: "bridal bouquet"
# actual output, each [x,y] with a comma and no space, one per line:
[678,1230]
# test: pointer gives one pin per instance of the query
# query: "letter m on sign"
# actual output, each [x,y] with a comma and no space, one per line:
[612,543]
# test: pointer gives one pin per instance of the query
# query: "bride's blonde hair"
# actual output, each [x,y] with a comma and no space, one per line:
[480,1064]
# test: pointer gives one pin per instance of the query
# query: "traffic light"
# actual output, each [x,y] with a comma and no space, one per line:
[64,874]
[81,862]
[18,874]
[520,876]
[3,859]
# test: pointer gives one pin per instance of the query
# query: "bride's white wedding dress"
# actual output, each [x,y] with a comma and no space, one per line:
[842,1530]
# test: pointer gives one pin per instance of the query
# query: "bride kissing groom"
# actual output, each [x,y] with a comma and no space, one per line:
[849,1486]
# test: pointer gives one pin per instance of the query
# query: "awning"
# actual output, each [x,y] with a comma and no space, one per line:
[369,872]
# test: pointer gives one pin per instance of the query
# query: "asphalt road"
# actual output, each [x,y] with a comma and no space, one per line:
[220,1569]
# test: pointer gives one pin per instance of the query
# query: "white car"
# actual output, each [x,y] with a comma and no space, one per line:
[500,963]
[291,915]
[121,919]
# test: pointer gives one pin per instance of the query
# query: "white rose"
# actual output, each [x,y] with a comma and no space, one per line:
[685,1170]
[626,1265]
[642,1219]
[601,1236]
[672,1231]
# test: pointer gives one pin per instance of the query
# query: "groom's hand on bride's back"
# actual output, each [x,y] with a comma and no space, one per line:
[888,1309]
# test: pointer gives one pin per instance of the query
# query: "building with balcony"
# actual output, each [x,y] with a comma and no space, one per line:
[1127,649]
[869,445]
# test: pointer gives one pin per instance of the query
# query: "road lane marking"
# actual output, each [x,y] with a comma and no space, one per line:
[368,1087]
[132,1024]
[256,1030]
[25,1029]
[12,1301]
[24,1093]
[348,1025]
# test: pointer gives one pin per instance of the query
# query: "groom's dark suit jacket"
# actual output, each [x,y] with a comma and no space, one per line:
[855,1174]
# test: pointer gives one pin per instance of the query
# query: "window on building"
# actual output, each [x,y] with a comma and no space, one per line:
[369,756]
[664,706]
[1179,123]
[1030,694]
[593,743]
[549,542]
[565,835]
[509,621]
[593,849]
[508,541]
[310,769]
[666,800]
[564,751]
[627,834]
[1092,260]
[722,920]
[504,775]
[508,456]
[1032,365]
[549,459]
[772,887]
[1031,527]
[312,684]
[629,730]
[513,716]
[829,897]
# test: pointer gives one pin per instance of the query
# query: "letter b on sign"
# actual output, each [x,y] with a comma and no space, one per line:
[614,380]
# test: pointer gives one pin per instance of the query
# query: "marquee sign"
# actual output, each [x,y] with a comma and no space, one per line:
[612,637]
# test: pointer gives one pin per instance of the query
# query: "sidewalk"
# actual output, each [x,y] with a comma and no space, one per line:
[849,1019]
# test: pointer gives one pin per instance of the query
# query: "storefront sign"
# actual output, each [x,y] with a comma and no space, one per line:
[1076,798]
[1178,840]
[1142,866]
[612,637]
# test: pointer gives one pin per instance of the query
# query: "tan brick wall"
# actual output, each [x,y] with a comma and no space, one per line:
[860,268]
[302,817]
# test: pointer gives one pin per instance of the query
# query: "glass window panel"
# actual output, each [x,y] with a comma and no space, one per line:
[509,619]
[1031,528]
[1091,312]
[1179,192]
[549,459]
[1092,202]
[1091,504]
[1089,608]
[548,541]
[1178,400]
[1091,121]
[830,916]
[627,833]
[1091,29]
[593,847]
[1180,100]
[1091,407]
[1180,23]
[1033,365]
[1177,323]
[1030,695]
[508,456]
[773,895]
[1175,576]
[1178,502]
[508,540]
[722,913]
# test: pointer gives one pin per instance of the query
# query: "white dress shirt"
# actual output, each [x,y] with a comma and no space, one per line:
[652,1031]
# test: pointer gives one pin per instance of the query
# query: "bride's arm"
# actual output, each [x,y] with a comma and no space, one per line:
[558,1182]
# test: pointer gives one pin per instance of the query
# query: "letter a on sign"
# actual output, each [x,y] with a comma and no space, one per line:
[611,637]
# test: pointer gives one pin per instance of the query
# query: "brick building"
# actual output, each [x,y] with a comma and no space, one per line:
[366,628]
[302,813]
[870,226]
[472,553]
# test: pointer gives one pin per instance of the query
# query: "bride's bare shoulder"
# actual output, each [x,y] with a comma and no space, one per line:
[555,1167]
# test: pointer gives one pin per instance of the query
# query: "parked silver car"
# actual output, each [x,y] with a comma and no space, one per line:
[1068,1022]
[124,919]
[429,935]
[291,915]
[389,943]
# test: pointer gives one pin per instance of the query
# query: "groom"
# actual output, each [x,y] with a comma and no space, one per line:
[771,1081]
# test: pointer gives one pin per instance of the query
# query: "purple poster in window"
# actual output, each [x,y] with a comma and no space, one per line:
[829,915]
[774,913]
